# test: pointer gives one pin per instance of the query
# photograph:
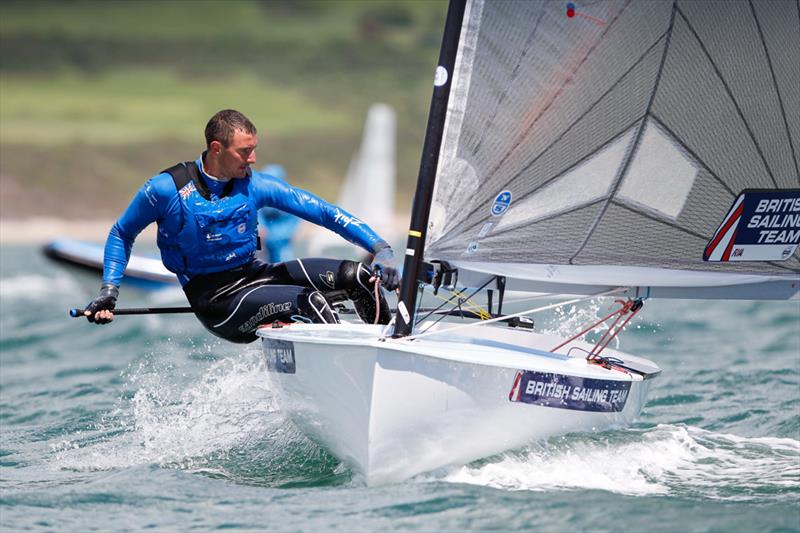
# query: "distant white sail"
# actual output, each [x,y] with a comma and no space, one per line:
[368,191]
[616,138]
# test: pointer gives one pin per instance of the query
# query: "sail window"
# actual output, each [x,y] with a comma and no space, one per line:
[584,184]
[660,176]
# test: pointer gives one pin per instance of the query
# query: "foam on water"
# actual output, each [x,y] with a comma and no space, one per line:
[36,287]
[667,459]
[225,422]
[170,423]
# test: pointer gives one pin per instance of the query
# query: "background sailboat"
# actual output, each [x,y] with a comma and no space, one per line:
[369,187]
[145,273]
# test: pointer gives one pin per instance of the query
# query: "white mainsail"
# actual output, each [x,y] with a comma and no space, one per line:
[606,148]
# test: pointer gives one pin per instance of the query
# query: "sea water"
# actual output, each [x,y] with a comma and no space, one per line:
[150,422]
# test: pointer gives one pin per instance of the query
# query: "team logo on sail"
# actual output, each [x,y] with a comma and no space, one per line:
[501,203]
[762,225]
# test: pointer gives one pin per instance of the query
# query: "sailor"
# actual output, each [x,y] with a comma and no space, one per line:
[206,213]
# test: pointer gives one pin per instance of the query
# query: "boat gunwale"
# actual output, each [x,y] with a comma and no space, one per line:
[507,357]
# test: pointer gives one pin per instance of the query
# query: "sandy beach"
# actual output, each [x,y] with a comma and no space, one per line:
[39,230]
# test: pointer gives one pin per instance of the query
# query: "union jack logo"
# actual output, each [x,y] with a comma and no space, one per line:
[513,396]
[725,236]
[187,190]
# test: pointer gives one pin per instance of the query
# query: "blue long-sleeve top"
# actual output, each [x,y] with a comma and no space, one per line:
[158,201]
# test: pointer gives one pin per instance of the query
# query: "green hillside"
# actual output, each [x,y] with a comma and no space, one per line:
[96,96]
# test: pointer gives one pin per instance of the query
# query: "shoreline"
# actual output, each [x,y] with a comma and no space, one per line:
[40,230]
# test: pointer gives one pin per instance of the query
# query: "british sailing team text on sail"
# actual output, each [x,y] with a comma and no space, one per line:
[778,213]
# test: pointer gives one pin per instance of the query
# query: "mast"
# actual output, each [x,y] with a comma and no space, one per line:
[427,170]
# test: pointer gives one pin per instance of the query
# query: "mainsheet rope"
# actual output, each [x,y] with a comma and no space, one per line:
[521,313]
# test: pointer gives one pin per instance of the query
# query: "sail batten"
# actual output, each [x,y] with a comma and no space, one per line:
[621,138]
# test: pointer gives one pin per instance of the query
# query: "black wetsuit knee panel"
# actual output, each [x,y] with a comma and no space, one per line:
[314,306]
[361,291]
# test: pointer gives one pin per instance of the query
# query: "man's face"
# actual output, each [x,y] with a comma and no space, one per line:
[236,158]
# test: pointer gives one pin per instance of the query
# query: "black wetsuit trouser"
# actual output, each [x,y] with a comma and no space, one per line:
[234,303]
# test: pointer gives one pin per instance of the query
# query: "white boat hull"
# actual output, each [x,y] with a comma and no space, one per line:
[393,409]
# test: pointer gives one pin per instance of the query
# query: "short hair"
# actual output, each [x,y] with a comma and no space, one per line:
[224,124]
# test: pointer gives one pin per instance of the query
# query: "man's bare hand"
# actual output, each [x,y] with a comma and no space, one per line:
[101,317]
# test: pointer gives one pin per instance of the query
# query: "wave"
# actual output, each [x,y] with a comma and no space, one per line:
[226,424]
[675,460]
[37,287]
[170,423]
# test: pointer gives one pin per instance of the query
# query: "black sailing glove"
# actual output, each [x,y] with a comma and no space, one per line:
[105,301]
[383,268]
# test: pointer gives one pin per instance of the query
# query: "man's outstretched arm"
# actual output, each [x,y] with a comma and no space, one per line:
[142,211]
[272,192]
